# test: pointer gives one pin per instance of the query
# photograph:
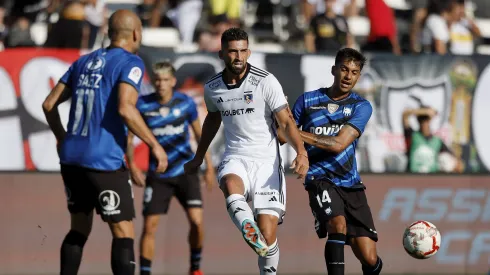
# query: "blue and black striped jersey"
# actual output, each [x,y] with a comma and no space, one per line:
[316,113]
[170,124]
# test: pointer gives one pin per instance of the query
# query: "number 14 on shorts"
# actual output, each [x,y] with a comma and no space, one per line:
[325,198]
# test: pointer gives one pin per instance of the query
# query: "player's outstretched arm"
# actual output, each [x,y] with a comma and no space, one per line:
[333,144]
[58,95]
[128,96]
[210,127]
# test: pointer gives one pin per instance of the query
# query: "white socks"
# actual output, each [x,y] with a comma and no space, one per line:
[268,264]
[239,210]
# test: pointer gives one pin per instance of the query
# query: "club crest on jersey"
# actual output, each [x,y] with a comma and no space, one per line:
[164,111]
[332,108]
[347,111]
[248,97]
[96,64]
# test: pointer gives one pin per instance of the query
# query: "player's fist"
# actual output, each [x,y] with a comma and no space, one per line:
[300,165]
[193,165]
[137,176]
[161,158]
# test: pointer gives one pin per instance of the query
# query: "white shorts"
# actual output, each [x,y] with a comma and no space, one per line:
[264,182]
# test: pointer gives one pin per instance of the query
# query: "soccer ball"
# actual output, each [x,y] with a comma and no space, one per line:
[421,240]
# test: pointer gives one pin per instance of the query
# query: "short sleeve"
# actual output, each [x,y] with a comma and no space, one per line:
[438,28]
[192,110]
[66,78]
[361,116]
[209,103]
[132,72]
[298,110]
[273,94]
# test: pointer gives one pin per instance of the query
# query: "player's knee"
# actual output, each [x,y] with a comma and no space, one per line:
[231,184]
[371,258]
[75,238]
[123,229]
[374,267]
[150,228]
[337,225]
[196,222]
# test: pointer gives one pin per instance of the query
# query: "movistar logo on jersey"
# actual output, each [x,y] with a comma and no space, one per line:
[326,131]
[169,130]
[237,112]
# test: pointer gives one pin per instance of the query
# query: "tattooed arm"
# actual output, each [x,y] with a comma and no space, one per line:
[333,144]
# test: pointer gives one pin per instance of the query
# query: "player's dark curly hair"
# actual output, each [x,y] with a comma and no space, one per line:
[348,54]
[233,34]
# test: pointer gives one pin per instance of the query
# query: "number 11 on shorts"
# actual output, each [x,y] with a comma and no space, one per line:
[325,198]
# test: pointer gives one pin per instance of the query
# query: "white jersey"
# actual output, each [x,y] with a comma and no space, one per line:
[247,110]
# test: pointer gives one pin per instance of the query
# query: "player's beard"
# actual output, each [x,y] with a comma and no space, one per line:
[236,70]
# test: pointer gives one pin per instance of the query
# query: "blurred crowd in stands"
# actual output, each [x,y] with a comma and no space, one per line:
[393,26]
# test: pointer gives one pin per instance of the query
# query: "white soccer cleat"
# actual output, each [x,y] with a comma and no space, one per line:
[254,238]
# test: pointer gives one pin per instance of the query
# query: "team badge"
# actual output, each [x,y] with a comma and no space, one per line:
[176,112]
[332,107]
[347,111]
[248,98]
[164,111]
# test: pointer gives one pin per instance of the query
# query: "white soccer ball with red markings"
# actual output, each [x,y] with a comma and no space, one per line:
[421,240]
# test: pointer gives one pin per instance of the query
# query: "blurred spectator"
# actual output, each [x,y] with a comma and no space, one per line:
[341,7]
[210,40]
[441,15]
[95,16]
[231,8]
[20,17]
[419,14]
[328,32]
[423,148]
[71,30]
[383,35]
[463,32]
[184,14]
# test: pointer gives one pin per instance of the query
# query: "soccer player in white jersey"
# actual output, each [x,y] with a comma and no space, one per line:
[249,101]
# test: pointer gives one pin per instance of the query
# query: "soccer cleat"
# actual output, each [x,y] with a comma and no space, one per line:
[254,238]
[196,272]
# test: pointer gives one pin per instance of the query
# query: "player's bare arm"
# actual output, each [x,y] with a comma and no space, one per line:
[333,144]
[209,175]
[137,176]
[292,135]
[128,97]
[59,94]
[210,127]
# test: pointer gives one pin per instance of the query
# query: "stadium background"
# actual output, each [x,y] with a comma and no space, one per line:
[34,219]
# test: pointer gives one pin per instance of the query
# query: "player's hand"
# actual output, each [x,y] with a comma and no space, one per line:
[137,176]
[300,165]
[161,157]
[193,165]
[210,178]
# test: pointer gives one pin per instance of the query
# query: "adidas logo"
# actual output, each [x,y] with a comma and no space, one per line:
[273,198]
[270,270]
[220,100]
[237,210]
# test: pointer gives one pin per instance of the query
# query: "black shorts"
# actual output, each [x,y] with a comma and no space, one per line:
[159,192]
[109,192]
[328,200]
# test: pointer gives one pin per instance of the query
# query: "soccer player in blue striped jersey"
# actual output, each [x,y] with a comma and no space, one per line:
[332,121]
[103,87]
[170,114]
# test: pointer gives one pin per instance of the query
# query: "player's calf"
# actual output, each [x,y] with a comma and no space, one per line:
[334,248]
[196,234]
[267,223]
[365,250]
[122,251]
[72,247]
[147,243]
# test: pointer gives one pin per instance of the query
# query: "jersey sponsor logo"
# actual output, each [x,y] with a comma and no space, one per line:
[109,201]
[169,130]
[253,81]
[265,193]
[332,108]
[237,112]
[317,107]
[151,114]
[164,111]
[135,74]
[220,100]
[96,64]
[326,131]
[89,81]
